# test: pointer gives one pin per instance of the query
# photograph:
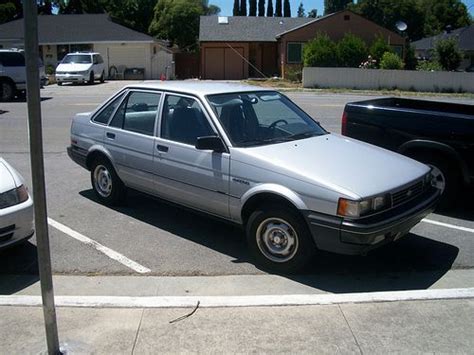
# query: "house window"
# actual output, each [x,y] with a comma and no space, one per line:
[295,53]
[398,50]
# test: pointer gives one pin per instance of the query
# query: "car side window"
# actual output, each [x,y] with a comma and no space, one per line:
[96,61]
[104,115]
[183,120]
[99,59]
[12,59]
[137,113]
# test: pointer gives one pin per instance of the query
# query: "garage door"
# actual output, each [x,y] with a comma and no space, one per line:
[224,63]
[128,56]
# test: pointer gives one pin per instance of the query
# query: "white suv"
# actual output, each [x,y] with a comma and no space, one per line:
[81,68]
[13,73]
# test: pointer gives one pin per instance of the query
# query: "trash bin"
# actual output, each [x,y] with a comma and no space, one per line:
[134,74]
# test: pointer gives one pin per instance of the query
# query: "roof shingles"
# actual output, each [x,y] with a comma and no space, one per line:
[87,28]
[247,29]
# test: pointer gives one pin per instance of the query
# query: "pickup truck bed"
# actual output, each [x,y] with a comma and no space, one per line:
[437,133]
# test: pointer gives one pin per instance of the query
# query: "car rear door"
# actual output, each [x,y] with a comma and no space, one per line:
[184,174]
[130,138]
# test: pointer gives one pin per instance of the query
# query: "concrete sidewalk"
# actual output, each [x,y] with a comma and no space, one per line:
[418,326]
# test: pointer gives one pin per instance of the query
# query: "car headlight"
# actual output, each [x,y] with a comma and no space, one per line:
[13,197]
[349,208]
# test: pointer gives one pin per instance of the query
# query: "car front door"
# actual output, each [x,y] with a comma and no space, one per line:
[184,174]
[130,139]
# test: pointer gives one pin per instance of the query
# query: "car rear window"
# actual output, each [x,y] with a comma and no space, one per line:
[12,59]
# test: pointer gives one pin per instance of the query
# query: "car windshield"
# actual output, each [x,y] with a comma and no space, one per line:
[77,58]
[261,118]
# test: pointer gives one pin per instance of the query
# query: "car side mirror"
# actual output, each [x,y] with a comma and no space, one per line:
[213,143]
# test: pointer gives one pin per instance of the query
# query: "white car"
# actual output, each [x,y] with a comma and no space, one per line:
[81,68]
[16,207]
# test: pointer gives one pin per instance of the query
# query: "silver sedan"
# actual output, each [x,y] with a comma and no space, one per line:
[251,156]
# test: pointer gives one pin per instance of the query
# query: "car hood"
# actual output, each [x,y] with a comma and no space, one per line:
[9,177]
[342,164]
[73,67]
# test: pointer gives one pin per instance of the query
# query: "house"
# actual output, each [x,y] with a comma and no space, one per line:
[241,47]
[465,37]
[118,45]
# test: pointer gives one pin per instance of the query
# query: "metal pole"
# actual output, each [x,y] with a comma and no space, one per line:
[37,173]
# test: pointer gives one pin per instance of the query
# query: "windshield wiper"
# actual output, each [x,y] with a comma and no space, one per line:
[302,135]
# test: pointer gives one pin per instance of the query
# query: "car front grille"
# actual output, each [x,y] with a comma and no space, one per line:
[407,193]
[6,232]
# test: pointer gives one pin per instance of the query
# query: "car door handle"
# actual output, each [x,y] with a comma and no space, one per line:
[162,148]
[110,135]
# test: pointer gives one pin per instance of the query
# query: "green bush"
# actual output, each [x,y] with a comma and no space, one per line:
[426,65]
[320,52]
[50,69]
[351,51]
[447,54]
[391,61]
[378,48]
[294,74]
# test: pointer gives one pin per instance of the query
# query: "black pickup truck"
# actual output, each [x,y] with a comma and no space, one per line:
[436,133]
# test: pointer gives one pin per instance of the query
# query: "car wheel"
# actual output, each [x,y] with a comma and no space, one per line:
[447,178]
[106,184]
[60,83]
[102,77]
[91,78]
[279,239]
[7,90]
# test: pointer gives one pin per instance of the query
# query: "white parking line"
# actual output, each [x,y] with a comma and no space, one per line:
[447,225]
[240,301]
[99,247]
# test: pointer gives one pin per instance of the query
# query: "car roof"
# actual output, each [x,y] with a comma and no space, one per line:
[83,53]
[198,88]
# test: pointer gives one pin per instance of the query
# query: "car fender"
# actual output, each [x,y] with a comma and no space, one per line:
[97,148]
[432,145]
[275,189]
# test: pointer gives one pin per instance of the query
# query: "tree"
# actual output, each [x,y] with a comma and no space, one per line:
[211,10]
[81,6]
[243,7]
[447,53]
[439,14]
[270,8]
[410,58]
[391,61]
[351,51]
[177,21]
[236,9]
[286,8]
[278,9]
[253,8]
[331,6]
[135,14]
[301,10]
[386,13]
[261,8]
[313,13]
[320,52]
[9,11]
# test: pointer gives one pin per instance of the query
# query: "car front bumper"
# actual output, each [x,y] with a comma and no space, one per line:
[72,78]
[357,237]
[16,224]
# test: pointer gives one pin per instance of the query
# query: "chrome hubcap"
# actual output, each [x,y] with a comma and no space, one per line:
[439,181]
[277,240]
[102,181]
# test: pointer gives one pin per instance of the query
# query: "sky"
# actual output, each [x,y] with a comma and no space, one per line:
[226,6]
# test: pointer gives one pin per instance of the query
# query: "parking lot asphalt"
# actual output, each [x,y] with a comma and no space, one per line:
[170,241]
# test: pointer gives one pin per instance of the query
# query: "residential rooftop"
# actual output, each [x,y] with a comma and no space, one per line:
[65,29]
[465,36]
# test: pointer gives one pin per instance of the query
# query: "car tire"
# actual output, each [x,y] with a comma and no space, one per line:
[106,184]
[447,177]
[279,239]
[7,90]
[102,77]
[60,83]
[91,78]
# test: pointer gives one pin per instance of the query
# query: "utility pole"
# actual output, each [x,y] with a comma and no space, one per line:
[30,13]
